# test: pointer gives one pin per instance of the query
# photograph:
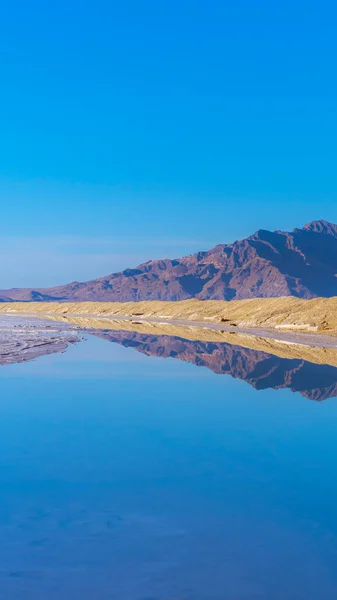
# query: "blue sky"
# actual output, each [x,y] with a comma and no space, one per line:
[140,130]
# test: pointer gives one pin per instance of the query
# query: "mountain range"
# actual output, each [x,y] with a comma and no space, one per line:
[301,263]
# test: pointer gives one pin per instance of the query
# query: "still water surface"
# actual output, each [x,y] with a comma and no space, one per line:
[129,477]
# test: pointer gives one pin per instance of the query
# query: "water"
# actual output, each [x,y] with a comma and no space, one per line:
[133,477]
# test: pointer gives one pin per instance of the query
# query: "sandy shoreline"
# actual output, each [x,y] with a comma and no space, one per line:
[282,314]
[314,348]
[313,339]
[286,327]
[87,320]
[25,337]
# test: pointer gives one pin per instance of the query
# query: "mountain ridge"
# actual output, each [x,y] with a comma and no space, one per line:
[301,263]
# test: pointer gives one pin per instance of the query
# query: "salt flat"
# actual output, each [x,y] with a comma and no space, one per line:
[23,339]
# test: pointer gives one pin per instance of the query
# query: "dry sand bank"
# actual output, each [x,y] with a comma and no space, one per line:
[288,313]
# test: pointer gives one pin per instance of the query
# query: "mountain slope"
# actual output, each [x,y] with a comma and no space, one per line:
[302,263]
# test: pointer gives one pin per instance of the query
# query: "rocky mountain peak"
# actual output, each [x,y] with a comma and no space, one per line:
[321,226]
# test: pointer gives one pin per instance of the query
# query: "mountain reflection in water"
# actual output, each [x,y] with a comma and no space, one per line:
[259,369]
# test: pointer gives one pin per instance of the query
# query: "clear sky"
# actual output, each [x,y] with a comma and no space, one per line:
[135,130]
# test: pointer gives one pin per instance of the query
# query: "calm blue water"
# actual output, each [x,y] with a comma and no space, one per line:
[127,477]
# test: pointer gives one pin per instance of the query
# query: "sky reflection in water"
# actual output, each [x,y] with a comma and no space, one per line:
[137,478]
